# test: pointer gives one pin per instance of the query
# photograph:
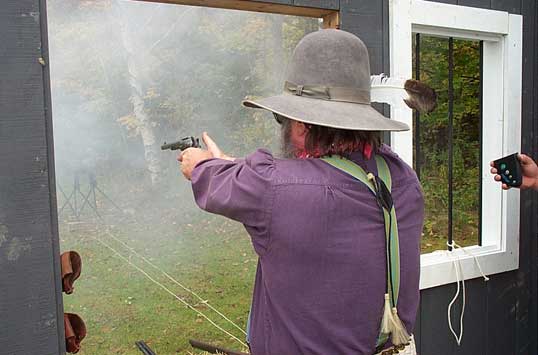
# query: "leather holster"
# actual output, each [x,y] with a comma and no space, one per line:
[75,331]
[71,268]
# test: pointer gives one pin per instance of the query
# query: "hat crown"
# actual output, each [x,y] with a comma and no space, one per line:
[331,58]
[328,84]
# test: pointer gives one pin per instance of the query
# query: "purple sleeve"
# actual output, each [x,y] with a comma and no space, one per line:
[240,190]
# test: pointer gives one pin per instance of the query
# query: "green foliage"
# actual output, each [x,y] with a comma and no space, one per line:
[434,143]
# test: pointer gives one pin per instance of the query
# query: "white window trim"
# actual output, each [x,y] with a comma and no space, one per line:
[502,36]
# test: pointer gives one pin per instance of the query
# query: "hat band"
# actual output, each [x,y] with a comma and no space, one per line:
[343,94]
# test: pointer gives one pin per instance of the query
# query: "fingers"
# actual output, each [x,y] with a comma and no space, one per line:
[186,172]
[181,155]
[525,159]
[498,178]
[211,145]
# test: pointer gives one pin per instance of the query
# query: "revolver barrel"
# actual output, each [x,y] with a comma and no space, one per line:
[184,143]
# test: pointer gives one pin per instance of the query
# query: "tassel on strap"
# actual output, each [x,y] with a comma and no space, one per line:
[387,319]
[392,324]
[399,334]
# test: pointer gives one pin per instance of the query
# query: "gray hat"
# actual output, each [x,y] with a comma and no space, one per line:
[328,84]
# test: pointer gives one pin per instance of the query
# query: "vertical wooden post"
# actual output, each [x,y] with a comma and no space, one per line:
[332,20]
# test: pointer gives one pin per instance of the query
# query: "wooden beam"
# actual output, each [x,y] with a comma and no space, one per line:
[256,6]
[332,20]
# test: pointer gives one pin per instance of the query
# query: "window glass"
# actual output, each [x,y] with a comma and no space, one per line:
[449,163]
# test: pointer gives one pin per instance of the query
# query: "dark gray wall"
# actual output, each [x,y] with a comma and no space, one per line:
[501,315]
[31,312]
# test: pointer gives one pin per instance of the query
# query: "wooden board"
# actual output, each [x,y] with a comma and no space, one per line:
[31,310]
[322,4]
[527,304]
[512,6]
[485,4]
[332,20]
[257,6]
[365,19]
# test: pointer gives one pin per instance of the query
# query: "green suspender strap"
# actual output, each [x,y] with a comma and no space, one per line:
[380,187]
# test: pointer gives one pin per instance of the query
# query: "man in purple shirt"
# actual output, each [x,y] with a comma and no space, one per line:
[319,233]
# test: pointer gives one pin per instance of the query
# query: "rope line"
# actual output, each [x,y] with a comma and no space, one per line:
[177,282]
[170,292]
[460,278]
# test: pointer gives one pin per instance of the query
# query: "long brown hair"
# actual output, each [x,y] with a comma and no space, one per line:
[321,140]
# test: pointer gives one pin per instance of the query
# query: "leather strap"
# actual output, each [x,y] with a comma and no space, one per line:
[389,217]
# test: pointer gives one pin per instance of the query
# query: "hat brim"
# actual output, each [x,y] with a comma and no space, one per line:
[336,114]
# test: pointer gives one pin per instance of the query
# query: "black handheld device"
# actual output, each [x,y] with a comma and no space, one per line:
[509,168]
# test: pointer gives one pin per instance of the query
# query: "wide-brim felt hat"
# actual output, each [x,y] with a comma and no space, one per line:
[328,84]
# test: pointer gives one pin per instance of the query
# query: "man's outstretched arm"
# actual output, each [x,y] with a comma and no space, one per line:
[240,189]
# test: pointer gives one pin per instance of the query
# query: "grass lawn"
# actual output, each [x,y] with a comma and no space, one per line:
[120,305]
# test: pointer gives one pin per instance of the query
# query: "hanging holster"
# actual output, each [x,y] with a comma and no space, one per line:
[380,185]
[71,264]
[75,331]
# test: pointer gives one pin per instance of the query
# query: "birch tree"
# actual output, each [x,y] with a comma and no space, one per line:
[135,56]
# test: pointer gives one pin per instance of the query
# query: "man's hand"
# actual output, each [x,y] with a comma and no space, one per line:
[190,157]
[529,170]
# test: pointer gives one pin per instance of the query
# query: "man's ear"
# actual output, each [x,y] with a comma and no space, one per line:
[301,128]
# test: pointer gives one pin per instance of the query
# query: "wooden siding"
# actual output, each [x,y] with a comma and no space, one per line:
[31,311]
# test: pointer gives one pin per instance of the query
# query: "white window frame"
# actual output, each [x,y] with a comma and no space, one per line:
[501,129]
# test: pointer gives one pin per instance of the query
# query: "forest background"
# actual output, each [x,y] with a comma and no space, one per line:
[127,76]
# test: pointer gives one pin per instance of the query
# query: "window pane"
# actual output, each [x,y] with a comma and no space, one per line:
[467,127]
[433,142]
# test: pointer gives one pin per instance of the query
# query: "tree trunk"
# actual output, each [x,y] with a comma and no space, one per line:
[146,126]
[278,51]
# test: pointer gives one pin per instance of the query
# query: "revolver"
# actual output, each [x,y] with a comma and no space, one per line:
[182,144]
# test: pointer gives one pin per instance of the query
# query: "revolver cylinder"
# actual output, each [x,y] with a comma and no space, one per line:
[184,143]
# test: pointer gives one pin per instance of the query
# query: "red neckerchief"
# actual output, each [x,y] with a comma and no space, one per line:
[365,147]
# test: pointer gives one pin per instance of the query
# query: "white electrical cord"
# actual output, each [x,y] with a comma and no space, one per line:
[460,277]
